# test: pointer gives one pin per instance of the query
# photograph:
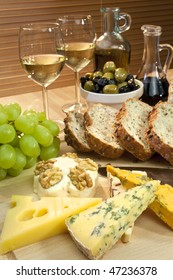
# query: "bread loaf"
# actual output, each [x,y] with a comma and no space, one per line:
[131,124]
[99,121]
[160,132]
[75,132]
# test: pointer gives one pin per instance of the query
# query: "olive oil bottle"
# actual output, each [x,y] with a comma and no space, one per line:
[112,46]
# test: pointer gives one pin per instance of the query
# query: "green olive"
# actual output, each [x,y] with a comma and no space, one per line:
[89,76]
[89,85]
[122,84]
[108,75]
[110,89]
[97,74]
[109,66]
[120,75]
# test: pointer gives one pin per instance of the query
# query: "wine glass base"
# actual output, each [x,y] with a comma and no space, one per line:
[74,107]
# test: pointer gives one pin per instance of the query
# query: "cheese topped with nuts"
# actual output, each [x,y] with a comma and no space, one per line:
[67,175]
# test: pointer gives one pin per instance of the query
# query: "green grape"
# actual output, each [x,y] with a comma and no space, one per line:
[15,141]
[13,110]
[3,117]
[52,151]
[41,116]
[3,173]
[7,133]
[20,160]
[25,124]
[42,135]
[32,114]
[29,146]
[14,172]
[52,126]
[7,156]
[30,162]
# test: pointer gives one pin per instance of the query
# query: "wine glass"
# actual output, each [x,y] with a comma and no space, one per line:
[79,39]
[38,51]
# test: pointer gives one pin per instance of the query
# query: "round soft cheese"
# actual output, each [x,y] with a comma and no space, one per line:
[67,175]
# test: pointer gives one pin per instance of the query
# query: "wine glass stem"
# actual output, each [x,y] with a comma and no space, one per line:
[77,89]
[45,101]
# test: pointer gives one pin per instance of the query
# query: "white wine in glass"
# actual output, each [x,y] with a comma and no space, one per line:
[38,45]
[79,38]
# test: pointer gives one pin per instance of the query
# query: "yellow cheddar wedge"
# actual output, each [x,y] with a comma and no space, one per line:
[129,179]
[29,221]
[98,228]
[163,204]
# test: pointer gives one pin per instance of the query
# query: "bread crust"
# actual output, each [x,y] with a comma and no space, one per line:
[99,145]
[129,143]
[71,137]
[158,144]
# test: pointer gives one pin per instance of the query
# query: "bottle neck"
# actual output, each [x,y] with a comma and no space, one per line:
[110,24]
[151,50]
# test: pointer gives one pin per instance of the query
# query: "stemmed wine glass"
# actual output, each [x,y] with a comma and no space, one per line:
[79,38]
[39,56]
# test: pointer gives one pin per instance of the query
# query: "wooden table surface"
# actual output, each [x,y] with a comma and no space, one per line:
[151,239]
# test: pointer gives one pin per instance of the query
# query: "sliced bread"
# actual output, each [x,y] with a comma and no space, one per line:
[75,132]
[99,121]
[131,124]
[160,132]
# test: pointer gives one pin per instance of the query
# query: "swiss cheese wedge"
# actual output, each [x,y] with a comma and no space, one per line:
[29,221]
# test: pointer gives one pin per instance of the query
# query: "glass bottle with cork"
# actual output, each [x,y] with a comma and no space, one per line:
[151,72]
[112,46]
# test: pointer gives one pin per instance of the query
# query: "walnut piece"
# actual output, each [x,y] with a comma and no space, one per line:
[70,155]
[89,164]
[80,178]
[50,177]
[43,165]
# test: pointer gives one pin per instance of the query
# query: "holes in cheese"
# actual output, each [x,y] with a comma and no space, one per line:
[27,215]
[41,212]
[33,221]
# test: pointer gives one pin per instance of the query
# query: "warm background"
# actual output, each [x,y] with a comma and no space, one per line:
[13,80]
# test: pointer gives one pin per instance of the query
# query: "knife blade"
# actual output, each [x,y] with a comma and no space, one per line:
[165,175]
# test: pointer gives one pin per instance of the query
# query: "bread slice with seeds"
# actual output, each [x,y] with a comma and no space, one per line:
[75,132]
[99,121]
[160,132]
[131,127]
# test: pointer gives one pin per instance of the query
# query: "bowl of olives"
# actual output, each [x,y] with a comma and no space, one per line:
[111,86]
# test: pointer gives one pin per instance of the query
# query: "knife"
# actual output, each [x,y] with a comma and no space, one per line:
[165,175]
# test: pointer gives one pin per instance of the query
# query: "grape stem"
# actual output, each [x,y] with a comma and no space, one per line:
[45,101]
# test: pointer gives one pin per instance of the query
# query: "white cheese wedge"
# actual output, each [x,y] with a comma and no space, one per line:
[97,229]
[65,186]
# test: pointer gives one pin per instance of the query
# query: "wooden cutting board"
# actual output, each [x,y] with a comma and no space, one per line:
[151,238]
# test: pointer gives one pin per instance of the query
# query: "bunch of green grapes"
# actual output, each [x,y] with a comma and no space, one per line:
[25,138]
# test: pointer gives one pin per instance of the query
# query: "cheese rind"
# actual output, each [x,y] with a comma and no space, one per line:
[163,204]
[28,221]
[97,229]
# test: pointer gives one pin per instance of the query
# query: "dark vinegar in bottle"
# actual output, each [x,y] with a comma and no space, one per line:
[155,90]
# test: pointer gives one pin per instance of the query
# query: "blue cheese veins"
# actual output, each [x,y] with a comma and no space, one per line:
[98,228]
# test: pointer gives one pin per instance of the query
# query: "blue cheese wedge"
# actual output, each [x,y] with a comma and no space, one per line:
[67,175]
[97,229]
[116,187]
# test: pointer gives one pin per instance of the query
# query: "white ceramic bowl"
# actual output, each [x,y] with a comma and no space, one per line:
[115,100]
